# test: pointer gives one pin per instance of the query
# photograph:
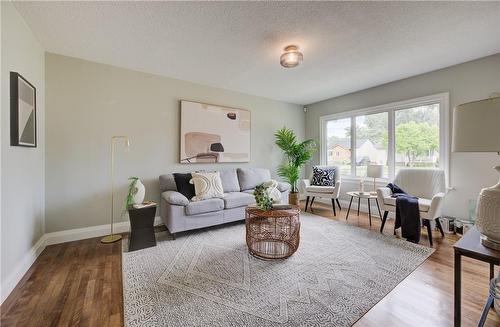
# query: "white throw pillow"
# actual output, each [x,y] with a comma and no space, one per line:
[206,186]
[272,190]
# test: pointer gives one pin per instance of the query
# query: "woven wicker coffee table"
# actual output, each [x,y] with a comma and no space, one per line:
[272,234]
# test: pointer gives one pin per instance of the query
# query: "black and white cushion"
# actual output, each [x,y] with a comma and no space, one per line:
[323,176]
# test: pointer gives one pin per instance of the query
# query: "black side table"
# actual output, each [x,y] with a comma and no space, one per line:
[142,234]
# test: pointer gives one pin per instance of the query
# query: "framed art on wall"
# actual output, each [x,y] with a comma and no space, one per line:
[212,133]
[22,111]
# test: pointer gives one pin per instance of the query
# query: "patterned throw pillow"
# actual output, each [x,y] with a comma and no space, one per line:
[207,186]
[323,176]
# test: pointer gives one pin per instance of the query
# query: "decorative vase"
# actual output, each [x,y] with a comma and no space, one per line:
[488,215]
[139,192]
[293,198]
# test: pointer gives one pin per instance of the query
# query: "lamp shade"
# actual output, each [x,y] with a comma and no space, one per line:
[375,171]
[476,126]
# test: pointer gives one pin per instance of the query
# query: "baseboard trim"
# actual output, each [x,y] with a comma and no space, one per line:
[89,232]
[56,238]
[22,267]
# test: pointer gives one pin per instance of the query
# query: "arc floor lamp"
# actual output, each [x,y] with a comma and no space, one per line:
[112,237]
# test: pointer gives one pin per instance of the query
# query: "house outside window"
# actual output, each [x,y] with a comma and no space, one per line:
[404,134]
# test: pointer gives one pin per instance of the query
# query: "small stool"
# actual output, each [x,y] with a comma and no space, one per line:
[142,233]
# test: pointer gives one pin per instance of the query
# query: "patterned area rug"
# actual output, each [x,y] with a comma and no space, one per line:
[207,277]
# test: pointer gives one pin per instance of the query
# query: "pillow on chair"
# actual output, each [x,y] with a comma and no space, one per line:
[323,176]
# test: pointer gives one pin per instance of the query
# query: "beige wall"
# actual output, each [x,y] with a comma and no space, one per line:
[87,103]
[469,172]
[22,171]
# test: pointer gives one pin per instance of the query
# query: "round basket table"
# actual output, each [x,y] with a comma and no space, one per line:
[272,234]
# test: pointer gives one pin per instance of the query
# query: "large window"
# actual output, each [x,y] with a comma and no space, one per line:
[397,135]
[417,137]
[372,136]
[339,144]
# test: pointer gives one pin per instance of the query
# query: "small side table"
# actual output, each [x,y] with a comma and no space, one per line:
[272,234]
[142,234]
[368,197]
[470,246]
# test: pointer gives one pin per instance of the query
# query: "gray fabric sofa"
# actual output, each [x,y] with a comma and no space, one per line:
[180,214]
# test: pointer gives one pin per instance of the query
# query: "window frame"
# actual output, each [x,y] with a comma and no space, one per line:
[444,121]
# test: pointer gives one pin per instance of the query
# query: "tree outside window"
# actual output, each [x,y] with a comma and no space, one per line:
[417,137]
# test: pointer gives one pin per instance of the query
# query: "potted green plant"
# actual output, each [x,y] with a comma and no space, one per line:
[296,156]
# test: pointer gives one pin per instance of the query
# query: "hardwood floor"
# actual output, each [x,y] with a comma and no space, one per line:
[80,284]
[71,284]
[425,297]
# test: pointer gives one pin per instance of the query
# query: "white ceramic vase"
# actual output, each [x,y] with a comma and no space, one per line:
[488,215]
[139,192]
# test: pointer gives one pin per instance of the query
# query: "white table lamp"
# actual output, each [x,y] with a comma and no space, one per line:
[375,171]
[476,128]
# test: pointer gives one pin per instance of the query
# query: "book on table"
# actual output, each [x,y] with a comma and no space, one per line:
[145,204]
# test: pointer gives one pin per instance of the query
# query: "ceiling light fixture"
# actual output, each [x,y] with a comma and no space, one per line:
[291,56]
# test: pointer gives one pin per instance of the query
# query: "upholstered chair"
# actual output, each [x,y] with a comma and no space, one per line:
[426,184]
[328,192]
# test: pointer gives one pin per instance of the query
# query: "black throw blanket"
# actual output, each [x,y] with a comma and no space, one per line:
[407,214]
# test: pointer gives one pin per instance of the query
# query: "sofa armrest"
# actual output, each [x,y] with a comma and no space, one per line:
[436,205]
[175,198]
[283,186]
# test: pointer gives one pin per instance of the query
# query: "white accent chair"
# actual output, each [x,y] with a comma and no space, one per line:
[426,184]
[328,192]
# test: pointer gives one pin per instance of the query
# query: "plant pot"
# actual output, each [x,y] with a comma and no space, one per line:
[293,198]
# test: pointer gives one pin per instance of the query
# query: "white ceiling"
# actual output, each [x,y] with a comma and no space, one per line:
[347,46]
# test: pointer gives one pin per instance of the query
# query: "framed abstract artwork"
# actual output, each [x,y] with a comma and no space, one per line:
[22,111]
[213,134]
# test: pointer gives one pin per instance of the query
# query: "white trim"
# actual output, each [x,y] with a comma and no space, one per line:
[89,232]
[353,145]
[444,123]
[55,238]
[391,144]
[21,268]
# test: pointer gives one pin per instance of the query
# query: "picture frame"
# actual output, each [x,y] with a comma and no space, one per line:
[212,133]
[23,127]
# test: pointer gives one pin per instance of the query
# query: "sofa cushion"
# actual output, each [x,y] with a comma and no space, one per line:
[229,180]
[320,189]
[251,177]
[237,199]
[248,191]
[175,198]
[183,186]
[209,205]
[423,204]
[167,183]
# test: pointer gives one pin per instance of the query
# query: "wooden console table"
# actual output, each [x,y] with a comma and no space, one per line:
[470,246]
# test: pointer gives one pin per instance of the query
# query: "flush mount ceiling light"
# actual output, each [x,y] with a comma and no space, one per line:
[291,56]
